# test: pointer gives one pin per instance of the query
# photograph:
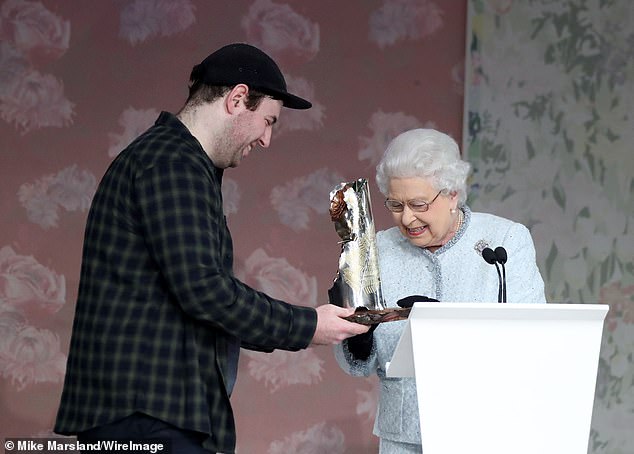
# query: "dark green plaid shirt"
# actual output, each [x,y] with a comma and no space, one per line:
[158,307]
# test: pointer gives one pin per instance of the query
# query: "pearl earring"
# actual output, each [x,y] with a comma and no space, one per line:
[452,211]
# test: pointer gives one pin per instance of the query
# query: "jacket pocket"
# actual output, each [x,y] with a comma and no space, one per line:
[390,417]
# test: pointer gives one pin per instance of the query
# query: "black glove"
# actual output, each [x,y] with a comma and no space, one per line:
[409,301]
[360,346]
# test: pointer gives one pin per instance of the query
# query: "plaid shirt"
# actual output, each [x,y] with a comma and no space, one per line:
[158,307]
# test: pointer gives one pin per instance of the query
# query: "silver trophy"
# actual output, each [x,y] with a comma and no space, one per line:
[358,282]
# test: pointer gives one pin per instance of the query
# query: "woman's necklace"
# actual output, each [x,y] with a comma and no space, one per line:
[451,233]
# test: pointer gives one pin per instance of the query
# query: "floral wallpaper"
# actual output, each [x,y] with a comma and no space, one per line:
[80,79]
[548,127]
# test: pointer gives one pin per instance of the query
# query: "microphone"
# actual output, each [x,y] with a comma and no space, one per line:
[500,254]
[490,257]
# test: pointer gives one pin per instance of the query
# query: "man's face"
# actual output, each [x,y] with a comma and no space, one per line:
[247,130]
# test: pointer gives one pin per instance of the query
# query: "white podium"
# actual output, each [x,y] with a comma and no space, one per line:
[502,378]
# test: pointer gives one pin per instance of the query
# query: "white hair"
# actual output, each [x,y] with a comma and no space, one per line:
[428,154]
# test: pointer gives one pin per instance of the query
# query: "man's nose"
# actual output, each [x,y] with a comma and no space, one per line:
[265,140]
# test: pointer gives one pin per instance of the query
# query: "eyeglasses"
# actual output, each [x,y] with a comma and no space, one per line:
[416,205]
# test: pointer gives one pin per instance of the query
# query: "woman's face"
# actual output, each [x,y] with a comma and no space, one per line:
[432,228]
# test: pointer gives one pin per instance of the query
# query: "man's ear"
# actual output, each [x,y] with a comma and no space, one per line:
[234,100]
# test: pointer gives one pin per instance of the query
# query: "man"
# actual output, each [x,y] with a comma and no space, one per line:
[160,316]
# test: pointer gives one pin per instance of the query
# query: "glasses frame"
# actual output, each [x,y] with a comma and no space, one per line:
[420,209]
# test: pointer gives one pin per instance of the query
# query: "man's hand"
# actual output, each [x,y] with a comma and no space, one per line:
[332,328]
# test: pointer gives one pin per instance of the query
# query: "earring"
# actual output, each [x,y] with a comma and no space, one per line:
[452,211]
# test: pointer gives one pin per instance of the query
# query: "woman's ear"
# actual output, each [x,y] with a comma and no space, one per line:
[453,196]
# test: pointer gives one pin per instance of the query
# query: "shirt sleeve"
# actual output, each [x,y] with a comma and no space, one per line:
[353,366]
[185,231]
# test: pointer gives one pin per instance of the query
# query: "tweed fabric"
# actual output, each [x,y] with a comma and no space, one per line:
[158,308]
[454,273]
[395,447]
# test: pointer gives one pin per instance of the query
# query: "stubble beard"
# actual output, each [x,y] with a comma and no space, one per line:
[230,144]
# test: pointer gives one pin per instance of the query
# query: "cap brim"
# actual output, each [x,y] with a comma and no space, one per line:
[295,102]
[288,100]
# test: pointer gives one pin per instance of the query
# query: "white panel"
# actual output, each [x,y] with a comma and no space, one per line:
[503,378]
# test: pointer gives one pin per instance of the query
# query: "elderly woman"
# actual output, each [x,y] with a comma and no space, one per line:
[435,250]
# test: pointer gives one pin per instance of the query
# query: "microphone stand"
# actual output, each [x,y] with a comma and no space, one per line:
[500,254]
[489,256]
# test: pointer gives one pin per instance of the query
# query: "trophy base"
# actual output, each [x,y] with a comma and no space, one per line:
[365,316]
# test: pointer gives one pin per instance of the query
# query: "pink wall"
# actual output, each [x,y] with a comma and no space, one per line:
[79,79]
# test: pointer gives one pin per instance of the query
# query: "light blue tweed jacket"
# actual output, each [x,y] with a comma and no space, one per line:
[454,273]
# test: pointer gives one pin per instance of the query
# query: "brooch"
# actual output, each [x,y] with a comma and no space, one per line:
[480,246]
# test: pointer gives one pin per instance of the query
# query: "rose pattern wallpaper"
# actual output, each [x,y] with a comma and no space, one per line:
[547,103]
[548,128]
[80,80]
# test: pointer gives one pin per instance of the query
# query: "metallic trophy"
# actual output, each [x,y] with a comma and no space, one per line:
[358,282]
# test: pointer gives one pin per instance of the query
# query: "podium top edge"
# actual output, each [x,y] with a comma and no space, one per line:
[512,306]
[555,311]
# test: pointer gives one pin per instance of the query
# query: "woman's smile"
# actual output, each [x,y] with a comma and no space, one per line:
[417,231]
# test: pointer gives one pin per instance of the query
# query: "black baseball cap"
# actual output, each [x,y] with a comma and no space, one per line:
[241,63]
